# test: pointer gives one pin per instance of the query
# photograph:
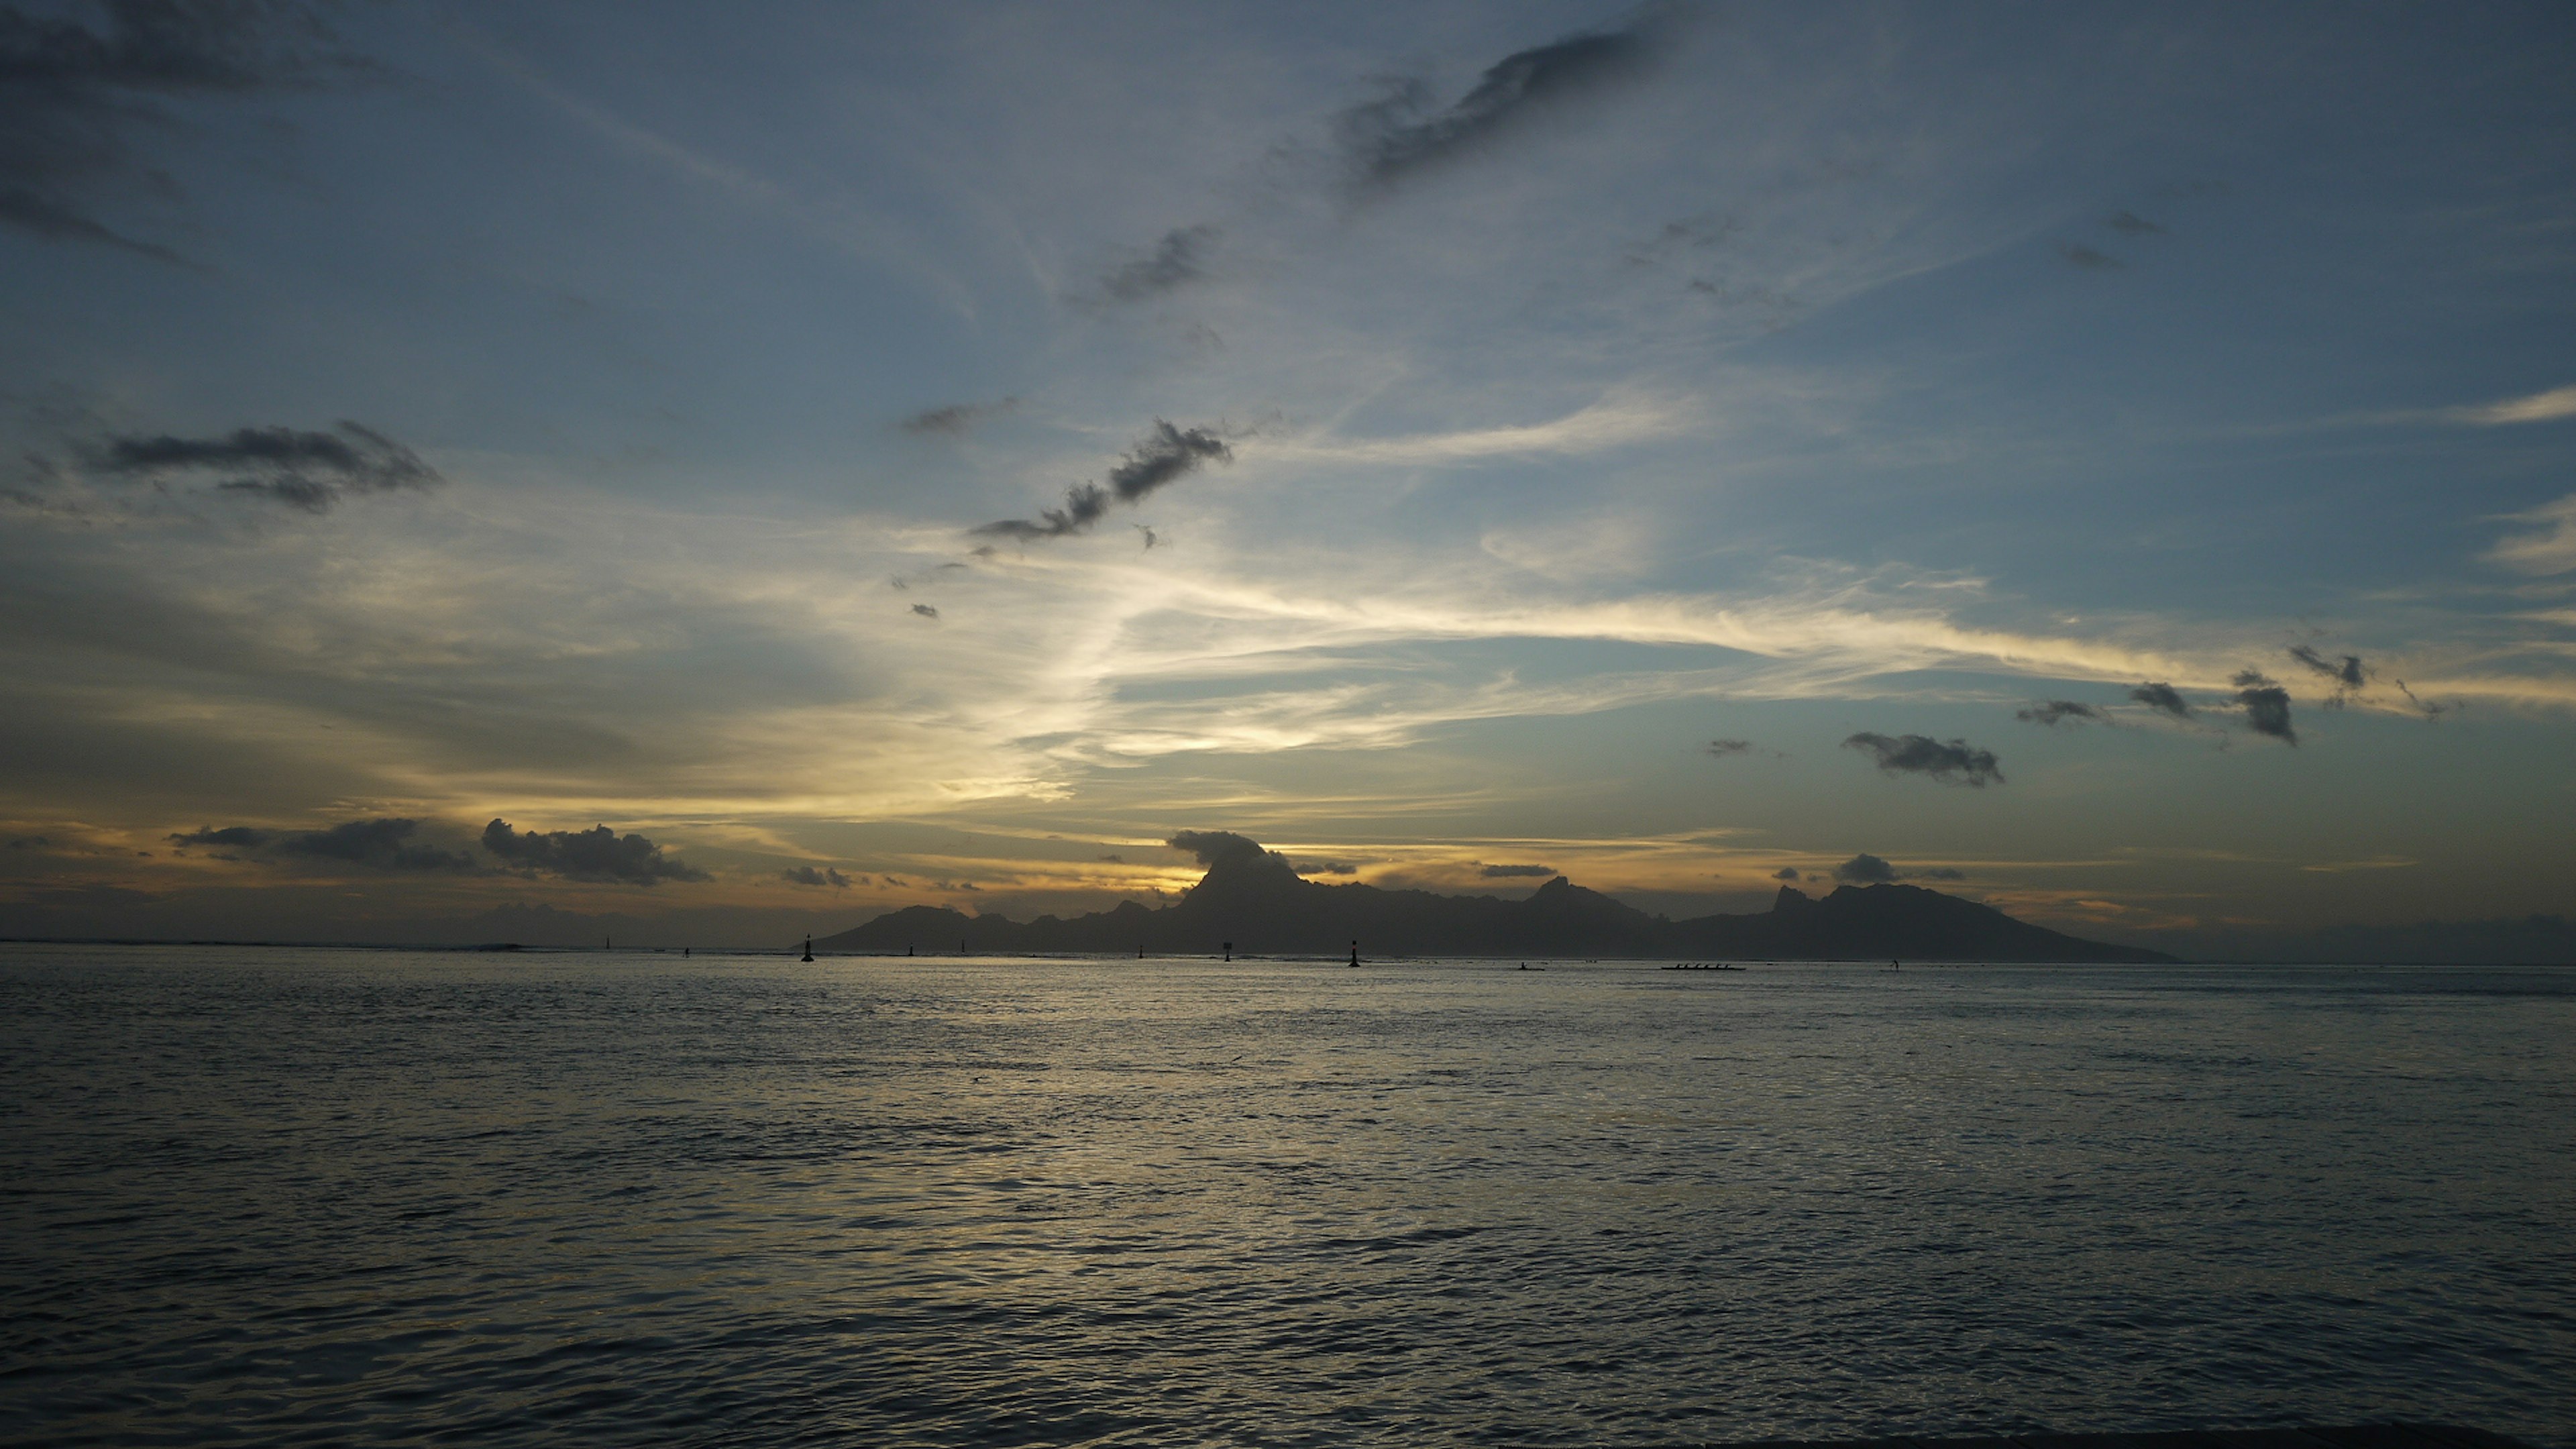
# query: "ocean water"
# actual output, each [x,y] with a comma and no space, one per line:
[301,1196]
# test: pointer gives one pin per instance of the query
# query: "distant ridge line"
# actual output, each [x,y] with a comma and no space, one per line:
[1251,901]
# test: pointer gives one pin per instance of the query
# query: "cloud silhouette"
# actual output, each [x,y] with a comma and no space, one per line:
[1505,872]
[926,611]
[1324,867]
[2163,698]
[1723,748]
[1786,872]
[811,875]
[2428,710]
[2267,706]
[1865,869]
[1165,454]
[2052,711]
[71,97]
[307,470]
[2347,673]
[2129,223]
[1391,139]
[1211,846]
[382,844]
[1179,259]
[596,854]
[956,420]
[2078,254]
[1952,762]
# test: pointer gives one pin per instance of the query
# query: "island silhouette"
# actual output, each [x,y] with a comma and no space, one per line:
[1251,901]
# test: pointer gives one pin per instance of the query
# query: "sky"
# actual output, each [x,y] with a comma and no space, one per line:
[714,473]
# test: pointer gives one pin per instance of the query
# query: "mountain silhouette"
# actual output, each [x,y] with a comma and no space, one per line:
[1253,899]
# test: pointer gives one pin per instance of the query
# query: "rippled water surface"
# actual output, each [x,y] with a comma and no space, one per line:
[315,1196]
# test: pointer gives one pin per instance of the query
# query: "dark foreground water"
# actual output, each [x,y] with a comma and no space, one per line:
[307,1196]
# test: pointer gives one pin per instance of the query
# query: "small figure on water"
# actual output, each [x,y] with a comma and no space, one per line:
[1355,953]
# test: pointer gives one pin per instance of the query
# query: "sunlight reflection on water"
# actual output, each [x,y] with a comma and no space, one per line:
[310,1196]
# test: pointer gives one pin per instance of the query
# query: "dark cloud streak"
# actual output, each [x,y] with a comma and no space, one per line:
[71,96]
[956,420]
[307,470]
[1952,762]
[2053,711]
[2162,698]
[1179,259]
[1391,140]
[2348,673]
[1167,453]
[383,844]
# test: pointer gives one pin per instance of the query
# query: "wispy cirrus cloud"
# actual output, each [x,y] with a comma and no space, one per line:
[1613,422]
[2539,407]
[2547,547]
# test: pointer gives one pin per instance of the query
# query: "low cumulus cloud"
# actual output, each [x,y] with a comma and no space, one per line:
[2266,705]
[1401,135]
[1167,453]
[2058,711]
[1865,869]
[1324,867]
[381,844]
[956,420]
[1868,869]
[2163,698]
[1786,872]
[307,470]
[73,98]
[1211,846]
[817,875]
[596,854]
[1506,872]
[1952,762]
[1179,259]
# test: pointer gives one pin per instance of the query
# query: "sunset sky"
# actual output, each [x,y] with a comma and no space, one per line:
[2117,463]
